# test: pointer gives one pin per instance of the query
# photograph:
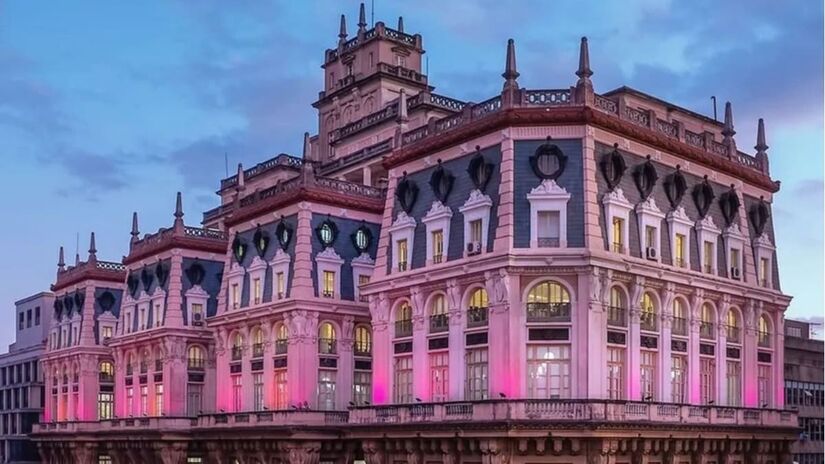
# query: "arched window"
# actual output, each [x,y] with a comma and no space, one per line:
[194,358]
[107,372]
[648,316]
[706,324]
[764,331]
[326,338]
[237,346]
[363,341]
[548,302]
[281,339]
[679,319]
[617,309]
[257,342]
[130,363]
[144,362]
[158,359]
[733,326]
[403,320]
[477,308]
[439,320]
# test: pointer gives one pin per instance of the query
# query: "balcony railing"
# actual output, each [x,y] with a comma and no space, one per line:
[195,364]
[362,348]
[618,247]
[763,339]
[144,368]
[105,377]
[679,326]
[158,365]
[679,262]
[476,316]
[281,346]
[402,266]
[437,258]
[129,370]
[548,242]
[706,330]
[616,316]
[328,294]
[237,353]
[403,328]
[439,323]
[732,333]
[548,312]
[327,345]
[647,321]
[257,350]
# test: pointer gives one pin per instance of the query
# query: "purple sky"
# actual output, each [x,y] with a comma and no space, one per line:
[111,107]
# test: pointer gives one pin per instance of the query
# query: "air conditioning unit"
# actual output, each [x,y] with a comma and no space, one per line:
[473,248]
[197,319]
[734,272]
[650,252]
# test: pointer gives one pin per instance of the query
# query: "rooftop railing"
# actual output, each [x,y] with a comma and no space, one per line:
[282,160]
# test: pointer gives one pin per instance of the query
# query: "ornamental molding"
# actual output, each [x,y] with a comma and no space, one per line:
[733,231]
[257,264]
[763,241]
[548,189]
[402,221]
[363,259]
[281,257]
[649,207]
[707,224]
[329,256]
[616,197]
[679,216]
[235,270]
[196,291]
[437,211]
[476,200]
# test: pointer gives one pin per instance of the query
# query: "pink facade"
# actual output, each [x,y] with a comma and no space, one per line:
[443,281]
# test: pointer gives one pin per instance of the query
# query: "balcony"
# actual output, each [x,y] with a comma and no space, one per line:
[129,370]
[328,294]
[195,364]
[282,418]
[362,348]
[616,316]
[237,353]
[158,365]
[679,326]
[144,368]
[618,247]
[402,266]
[476,316]
[403,328]
[763,339]
[110,425]
[281,346]
[439,323]
[647,321]
[257,350]
[732,333]
[706,330]
[105,377]
[327,346]
[679,262]
[548,312]
[437,258]
[570,411]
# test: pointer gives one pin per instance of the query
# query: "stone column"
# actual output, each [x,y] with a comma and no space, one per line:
[88,386]
[665,390]
[456,341]
[222,381]
[172,453]
[346,363]
[247,390]
[597,329]
[504,231]
[749,360]
[381,349]
[501,378]
[420,319]
[721,356]
[301,285]
[173,316]
[633,380]
[175,377]
[778,361]
[693,394]
[302,353]
[269,368]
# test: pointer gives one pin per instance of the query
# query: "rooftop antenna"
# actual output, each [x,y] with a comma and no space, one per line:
[713,98]
[77,244]
[372,12]
[226,164]
[427,65]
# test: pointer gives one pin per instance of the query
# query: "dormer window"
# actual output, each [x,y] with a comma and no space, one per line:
[618,235]
[548,206]
[329,284]
[197,314]
[438,246]
[235,297]
[280,285]
[106,332]
[679,249]
[257,291]
[143,318]
[158,315]
[708,252]
[548,229]
[735,263]
[617,213]
[764,270]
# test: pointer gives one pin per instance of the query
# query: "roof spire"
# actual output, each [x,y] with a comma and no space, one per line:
[400,24]
[761,147]
[728,131]
[510,74]
[178,208]
[241,181]
[342,31]
[584,71]
[307,151]
[402,106]
[362,18]
[92,248]
[61,263]
[76,259]
[135,232]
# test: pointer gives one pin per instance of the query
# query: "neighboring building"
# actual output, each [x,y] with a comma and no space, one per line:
[804,389]
[549,275]
[21,381]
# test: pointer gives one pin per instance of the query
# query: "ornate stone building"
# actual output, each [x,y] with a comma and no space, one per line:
[549,275]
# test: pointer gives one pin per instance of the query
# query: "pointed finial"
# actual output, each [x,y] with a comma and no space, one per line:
[61,263]
[342,31]
[135,232]
[178,206]
[510,74]
[92,248]
[362,18]
[241,181]
[400,24]
[584,71]
[307,152]
[761,145]
[76,259]
[728,131]
[402,106]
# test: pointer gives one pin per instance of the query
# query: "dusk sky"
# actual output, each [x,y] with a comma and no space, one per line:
[111,107]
